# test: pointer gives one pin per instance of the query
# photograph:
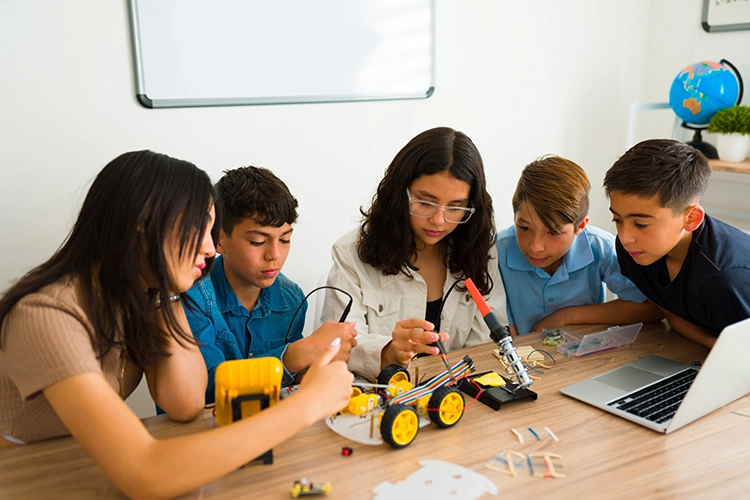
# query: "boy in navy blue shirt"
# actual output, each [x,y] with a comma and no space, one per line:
[244,307]
[694,267]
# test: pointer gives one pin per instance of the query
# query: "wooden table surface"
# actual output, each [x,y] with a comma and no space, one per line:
[603,456]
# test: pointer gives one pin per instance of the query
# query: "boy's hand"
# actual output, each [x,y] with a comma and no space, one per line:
[410,337]
[320,339]
[554,320]
[302,353]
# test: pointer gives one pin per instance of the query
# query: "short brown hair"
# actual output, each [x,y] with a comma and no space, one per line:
[256,193]
[556,188]
[674,172]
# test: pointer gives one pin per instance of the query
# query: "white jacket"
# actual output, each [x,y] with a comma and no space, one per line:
[381,301]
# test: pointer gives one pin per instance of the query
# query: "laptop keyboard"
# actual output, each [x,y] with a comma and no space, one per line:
[658,402]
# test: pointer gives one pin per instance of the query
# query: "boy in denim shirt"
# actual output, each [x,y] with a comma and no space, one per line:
[244,307]
[554,264]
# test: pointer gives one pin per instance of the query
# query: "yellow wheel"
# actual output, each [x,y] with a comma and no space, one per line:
[392,374]
[399,426]
[446,406]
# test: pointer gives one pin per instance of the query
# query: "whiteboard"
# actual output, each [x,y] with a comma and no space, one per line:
[237,52]
[726,15]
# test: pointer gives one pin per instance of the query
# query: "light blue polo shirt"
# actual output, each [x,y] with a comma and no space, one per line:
[589,264]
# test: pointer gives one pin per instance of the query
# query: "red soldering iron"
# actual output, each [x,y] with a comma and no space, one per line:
[500,334]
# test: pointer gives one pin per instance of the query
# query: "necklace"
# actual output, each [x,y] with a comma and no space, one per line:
[123,363]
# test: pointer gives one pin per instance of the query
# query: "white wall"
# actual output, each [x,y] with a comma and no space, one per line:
[675,40]
[521,79]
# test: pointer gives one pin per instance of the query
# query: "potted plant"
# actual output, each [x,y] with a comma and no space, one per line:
[733,128]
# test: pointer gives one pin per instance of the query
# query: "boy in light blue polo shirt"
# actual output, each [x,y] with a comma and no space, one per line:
[245,306]
[553,264]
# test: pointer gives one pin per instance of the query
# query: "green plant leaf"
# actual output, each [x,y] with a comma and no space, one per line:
[731,120]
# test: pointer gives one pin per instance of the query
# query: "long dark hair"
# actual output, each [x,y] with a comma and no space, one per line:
[386,239]
[135,203]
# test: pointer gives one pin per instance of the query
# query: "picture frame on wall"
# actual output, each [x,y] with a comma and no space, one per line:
[726,15]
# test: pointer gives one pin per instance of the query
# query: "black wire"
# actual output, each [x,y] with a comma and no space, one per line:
[542,351]
[341,320]
[442,303]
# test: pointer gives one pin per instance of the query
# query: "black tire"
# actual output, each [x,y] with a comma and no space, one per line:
[389,372]
[446,406]
[400,425]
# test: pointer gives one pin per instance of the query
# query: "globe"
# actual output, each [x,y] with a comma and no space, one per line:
[701,90]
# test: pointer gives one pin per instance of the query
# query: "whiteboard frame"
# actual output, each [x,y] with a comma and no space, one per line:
[145,101]
[712,28]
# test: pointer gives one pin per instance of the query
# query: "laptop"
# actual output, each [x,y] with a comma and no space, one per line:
[665,395]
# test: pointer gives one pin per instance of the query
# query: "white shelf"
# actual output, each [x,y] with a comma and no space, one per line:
[742,167]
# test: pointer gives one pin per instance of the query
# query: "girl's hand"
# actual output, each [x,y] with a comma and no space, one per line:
[410,337]
[327,384]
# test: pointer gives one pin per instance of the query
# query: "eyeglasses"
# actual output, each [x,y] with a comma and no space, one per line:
[427,209]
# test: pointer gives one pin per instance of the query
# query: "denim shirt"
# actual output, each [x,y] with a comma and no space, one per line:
[226,330]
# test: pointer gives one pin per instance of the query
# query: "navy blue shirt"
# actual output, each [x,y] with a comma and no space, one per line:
[227,330]
[712,289]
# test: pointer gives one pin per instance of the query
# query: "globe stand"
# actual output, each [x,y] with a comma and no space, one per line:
[708,150]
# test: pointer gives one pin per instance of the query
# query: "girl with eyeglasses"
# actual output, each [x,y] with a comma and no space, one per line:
[78,332]
[430,224]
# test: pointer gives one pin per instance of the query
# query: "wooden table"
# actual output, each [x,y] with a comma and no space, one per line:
[603,456]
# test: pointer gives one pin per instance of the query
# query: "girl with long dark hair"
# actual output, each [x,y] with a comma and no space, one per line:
[78,332]
[430,224]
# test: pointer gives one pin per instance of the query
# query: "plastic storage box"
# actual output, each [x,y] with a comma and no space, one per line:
[575,345]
